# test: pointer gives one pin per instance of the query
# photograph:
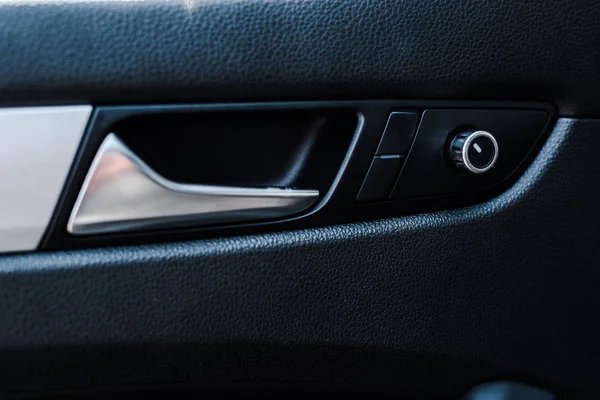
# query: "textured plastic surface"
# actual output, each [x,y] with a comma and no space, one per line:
[104,52]
[441,301]
[507,391]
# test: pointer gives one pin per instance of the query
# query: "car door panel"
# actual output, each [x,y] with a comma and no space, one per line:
[422,305]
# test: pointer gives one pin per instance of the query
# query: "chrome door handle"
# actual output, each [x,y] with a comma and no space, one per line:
[122,193]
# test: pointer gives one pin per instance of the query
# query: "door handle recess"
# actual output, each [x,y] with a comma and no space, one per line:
[122,193]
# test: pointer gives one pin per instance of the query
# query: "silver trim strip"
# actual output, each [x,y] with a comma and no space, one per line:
[37,147]
[122,193]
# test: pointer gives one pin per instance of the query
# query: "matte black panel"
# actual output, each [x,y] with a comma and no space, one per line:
[507,289]
[196,51]
[428,170]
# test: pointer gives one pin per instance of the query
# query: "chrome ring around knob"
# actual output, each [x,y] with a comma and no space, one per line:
[466,141]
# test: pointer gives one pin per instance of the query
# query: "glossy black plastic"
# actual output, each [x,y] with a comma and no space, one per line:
[337,205]
[428,170]
[380,178]
[398,134]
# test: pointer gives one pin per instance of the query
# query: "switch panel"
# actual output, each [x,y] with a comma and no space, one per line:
[380,178]
[398,133]
[391,153]
[495,142]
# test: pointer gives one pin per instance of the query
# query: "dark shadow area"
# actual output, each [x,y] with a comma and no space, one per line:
[187,370]
[280,148]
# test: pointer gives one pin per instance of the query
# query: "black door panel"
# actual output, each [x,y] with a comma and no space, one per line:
[189,51]
[428,305]
[494,285]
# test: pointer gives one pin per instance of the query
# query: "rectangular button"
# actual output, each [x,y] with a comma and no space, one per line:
[380,178]
[398,133]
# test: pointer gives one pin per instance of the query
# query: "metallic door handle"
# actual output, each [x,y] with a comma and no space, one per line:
[122,193]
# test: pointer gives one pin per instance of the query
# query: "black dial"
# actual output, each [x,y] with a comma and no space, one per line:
[474,151]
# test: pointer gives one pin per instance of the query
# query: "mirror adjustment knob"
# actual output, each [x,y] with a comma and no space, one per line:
[474,151]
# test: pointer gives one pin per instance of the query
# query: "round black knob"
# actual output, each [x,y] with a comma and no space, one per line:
[474,151]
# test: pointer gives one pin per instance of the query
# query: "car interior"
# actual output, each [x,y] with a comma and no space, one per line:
[371,198]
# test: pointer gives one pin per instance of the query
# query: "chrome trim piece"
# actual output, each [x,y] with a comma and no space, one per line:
[465,149]
[459,150]
[37,147]
[122,193]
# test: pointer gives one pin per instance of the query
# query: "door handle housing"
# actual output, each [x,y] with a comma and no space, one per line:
[122,193]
